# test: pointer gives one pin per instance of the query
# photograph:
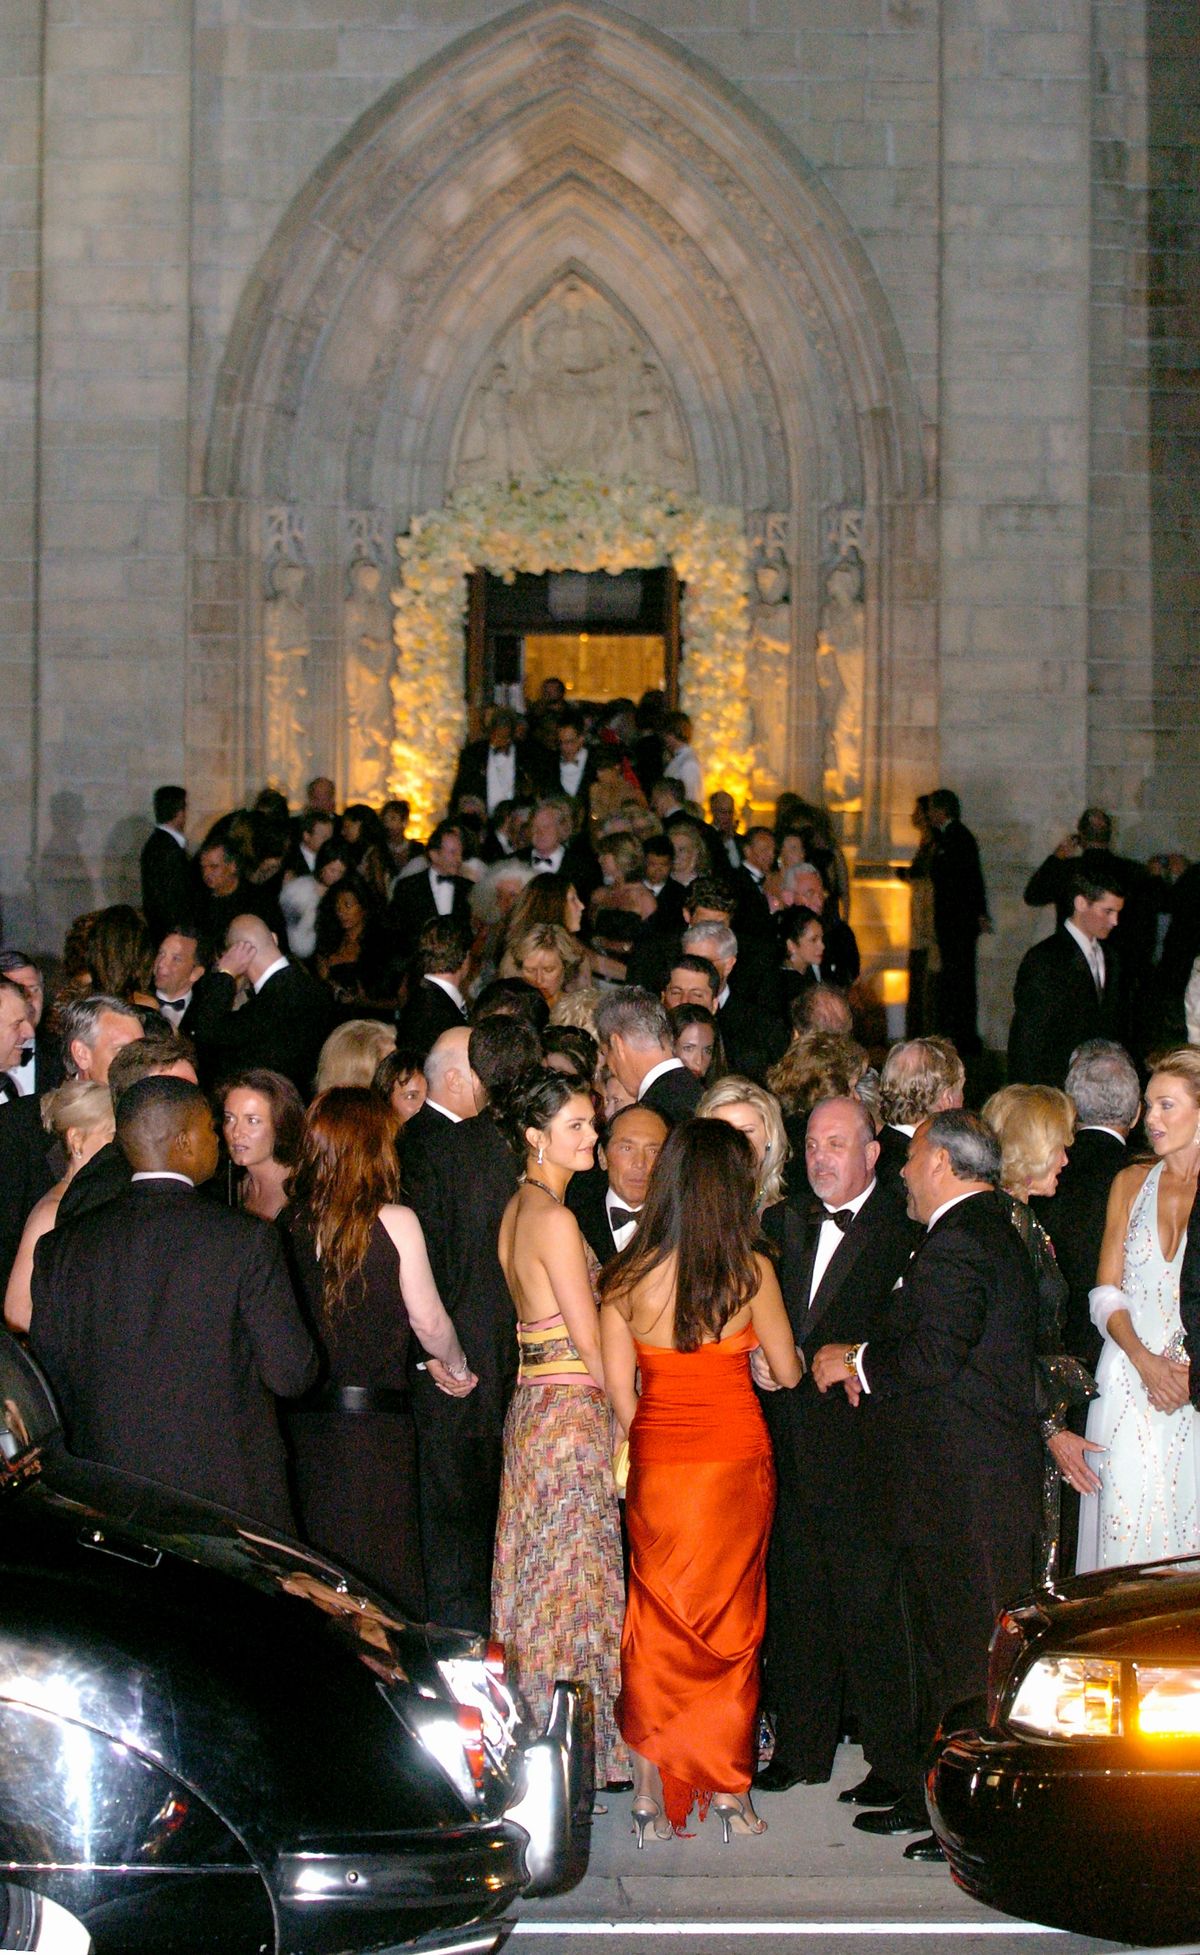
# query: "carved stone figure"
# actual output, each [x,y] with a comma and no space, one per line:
[287,749]
[573,385]
[841,667]
[770,672]
[772,577]
[369,658]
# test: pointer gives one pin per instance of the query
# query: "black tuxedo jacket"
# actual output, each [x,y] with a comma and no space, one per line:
[460,1204]
[26,1173]
[1056,1007]
[753,1031]
[104,1178]
[283,1026]
[585,1199]
[165,1324]
[951,1378]
[675,1095]
[168,893]
[752,917]
[959,892]
[471,774]
[430,1011]
[853,1302]
[1073,1218]
[423,1142]
[893,1153]
[412,907]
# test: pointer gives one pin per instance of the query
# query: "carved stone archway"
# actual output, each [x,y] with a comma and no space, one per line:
[566,140]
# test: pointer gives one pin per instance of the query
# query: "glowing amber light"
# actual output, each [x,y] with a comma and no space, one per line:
[1169,1700]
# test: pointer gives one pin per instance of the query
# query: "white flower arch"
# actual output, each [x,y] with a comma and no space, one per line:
[567,522]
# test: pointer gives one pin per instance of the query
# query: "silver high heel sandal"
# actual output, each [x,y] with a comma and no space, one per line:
[736,1817]
[646,1813]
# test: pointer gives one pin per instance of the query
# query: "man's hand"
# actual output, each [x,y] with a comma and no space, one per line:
[1070,1454]
[1068,849]
[829,1368]
[236,961]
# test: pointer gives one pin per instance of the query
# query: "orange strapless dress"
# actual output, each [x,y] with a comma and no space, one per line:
[699,1505]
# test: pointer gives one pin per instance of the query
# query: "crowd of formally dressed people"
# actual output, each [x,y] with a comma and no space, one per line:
[514,1213]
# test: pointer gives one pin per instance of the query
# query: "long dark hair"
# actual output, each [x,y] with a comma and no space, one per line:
[347,1171]
[699,1209]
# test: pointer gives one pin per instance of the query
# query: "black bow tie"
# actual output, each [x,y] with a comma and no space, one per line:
[543,861]
[618,1217]
[172,1004]
[840,1217]
[443,880]
[8,1086]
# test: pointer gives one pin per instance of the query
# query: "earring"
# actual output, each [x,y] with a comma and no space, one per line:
[541,1154]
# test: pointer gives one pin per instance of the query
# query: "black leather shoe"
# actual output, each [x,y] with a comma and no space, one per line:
[778,1777]
[874,1790]
[900,1818]
[926,1849]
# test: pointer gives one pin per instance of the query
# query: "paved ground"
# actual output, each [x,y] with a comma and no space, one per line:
[810,1884]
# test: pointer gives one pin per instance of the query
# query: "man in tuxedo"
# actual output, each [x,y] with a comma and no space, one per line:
[753,914]
[436,1005]
[832,1584]
[1069,987]
[166,1323]
[166,870]
[440,889]
[948,1384]
[285,1017]
[920,1077]
[692,980]
[452,1097]
[572,770]
[16,1035]
[93,1031]
[608,1204]
[162,1055]
[960,918]
[635,1040]
[177,972]
[1051,882]
[460,1204]
[552,850]
[722,815]
[496,768]
[752,1027]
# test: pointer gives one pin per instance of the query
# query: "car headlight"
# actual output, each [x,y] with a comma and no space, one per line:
[1168,1699]
[1069,1697]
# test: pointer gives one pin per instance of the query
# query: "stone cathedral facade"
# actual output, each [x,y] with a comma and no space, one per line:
[914,285]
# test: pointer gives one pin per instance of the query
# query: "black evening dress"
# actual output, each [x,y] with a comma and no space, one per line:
[353,1440]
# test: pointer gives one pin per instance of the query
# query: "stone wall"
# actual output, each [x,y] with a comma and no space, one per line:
[1019,181]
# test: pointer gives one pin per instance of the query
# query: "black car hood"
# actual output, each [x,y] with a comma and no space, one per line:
[1147,1610]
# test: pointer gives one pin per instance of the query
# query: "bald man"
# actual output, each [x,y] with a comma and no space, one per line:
[167,1324]
[454,1095]
[283,1021]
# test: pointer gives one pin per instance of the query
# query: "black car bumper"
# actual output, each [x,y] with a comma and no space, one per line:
[1102,1839]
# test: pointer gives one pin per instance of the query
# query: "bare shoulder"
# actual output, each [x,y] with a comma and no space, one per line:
[1128,1183]
[401,1222]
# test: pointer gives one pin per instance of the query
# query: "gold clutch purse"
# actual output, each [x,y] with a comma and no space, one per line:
[621,1466]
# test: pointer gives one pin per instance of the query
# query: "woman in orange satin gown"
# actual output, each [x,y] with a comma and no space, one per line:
[683,1306]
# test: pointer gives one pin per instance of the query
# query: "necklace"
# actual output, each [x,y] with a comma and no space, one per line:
[531,1183]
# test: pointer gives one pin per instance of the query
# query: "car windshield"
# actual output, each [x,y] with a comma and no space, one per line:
[28,1415]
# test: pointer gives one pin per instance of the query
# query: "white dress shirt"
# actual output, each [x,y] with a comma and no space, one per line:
[280,964]
[162,1174]
[1092,951]
[830,1236]
[501,776]
[442,889]
[173,833]
[174,1009]
[22,1076]
[445,1112]
[571,772]
[625,1234]
[544,865]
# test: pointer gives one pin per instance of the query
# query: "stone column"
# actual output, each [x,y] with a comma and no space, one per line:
[1014,443]
[114,356]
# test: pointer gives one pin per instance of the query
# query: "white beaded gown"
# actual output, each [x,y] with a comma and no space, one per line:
[1148,1507]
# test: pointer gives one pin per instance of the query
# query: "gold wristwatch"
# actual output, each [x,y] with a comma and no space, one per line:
[850,1357]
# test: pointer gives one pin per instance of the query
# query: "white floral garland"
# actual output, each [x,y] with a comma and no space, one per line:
[567,522]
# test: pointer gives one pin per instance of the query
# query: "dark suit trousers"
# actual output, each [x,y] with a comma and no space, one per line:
[835,1634]
[458,1480]
[957,999]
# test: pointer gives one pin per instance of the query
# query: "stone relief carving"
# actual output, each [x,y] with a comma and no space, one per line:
[368,665]
[772,571]
[287,751]
[771,684]
[571,385]
[841,669]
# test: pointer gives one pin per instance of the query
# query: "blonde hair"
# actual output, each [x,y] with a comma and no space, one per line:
[543,936]
[1031,1123]
[626,853]
[1183,1062]
[577,1007]
[817,1066]
[82,1103]
[352,1051]
[733,1090]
